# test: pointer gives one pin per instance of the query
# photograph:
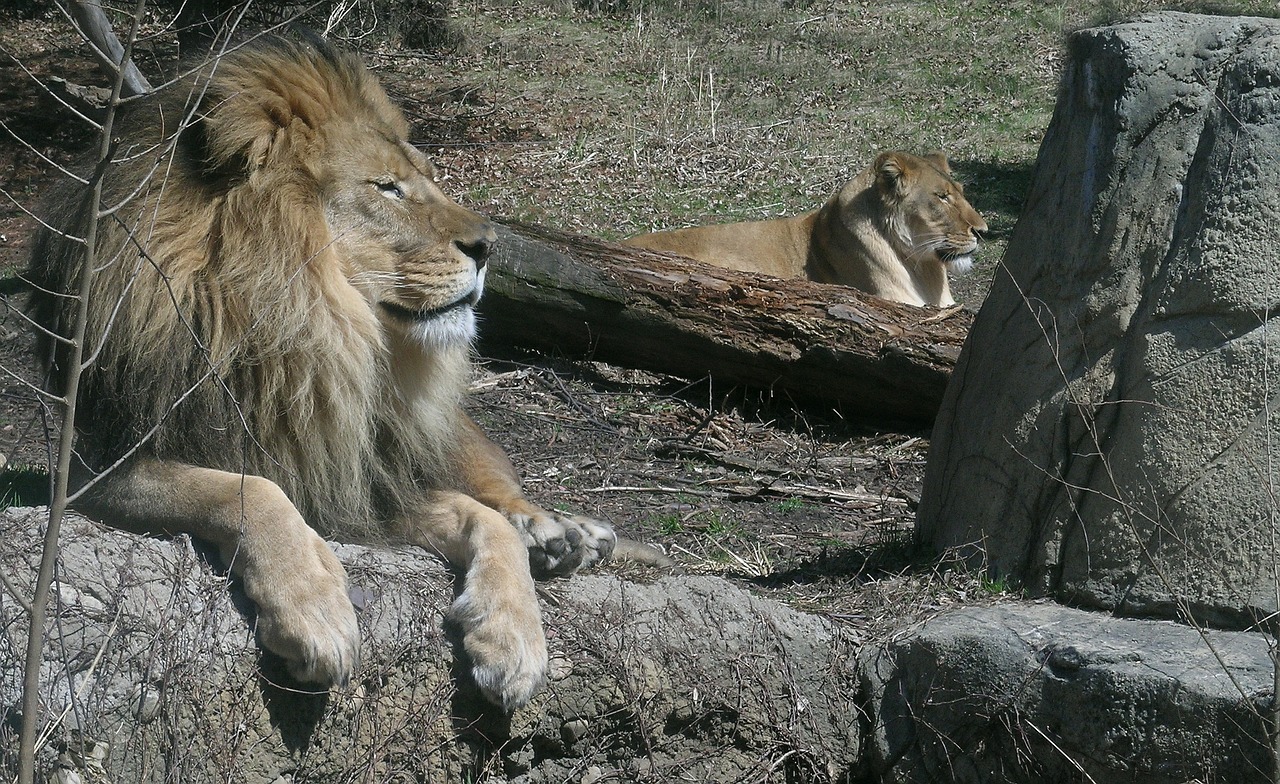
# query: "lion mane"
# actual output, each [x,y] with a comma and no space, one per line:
[279,334]
[223,291]
[894,231]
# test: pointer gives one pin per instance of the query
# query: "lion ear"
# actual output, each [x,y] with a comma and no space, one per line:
[261,104]
[228,142]
[893,173]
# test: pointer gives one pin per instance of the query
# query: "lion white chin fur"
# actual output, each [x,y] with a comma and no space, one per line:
[452,330]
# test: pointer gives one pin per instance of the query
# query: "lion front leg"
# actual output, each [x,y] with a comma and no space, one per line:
[286,568]
[498,608]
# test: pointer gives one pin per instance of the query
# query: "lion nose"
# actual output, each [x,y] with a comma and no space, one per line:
[477,248]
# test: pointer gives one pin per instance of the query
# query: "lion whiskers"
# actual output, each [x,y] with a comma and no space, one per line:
[924,248]
[376,278]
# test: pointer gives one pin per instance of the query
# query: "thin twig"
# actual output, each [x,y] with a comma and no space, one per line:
[13,591]
[58,503]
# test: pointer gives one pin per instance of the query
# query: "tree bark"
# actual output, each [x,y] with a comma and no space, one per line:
[816,344]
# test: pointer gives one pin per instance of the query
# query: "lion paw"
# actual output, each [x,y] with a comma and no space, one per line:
[563,544]
[305,616]
[502,635]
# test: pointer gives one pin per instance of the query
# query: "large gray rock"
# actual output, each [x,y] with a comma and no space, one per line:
[150,674]
[1107,437]
[1040,693]
[153,662]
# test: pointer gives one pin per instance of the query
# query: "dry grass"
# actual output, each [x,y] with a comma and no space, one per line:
[660,114]
[812,511]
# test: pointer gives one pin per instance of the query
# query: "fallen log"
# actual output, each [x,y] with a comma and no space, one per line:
[813,343]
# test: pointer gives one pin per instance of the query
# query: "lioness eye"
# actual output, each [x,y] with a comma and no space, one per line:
[944,196]
[389,189]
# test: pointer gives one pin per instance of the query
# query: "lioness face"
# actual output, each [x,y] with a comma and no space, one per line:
[930,210]
[416,255]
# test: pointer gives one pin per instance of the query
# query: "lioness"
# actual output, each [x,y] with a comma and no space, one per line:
[279,324]
[894,231]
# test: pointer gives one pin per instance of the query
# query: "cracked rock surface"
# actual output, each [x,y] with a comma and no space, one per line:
[1107,438]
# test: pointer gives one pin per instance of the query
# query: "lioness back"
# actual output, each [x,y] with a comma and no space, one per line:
[772,247]
[894,231]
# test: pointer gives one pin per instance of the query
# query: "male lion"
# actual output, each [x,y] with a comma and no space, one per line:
[894,231]
[280,326]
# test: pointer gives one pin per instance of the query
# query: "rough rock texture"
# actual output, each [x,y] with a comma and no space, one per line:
[1107,436]
[686,678]
[150,674]
[1040,693]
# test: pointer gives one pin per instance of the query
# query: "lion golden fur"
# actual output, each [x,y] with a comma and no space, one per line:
[279,333]
[892,231]
[239,306]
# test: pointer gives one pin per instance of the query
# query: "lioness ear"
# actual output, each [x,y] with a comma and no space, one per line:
[939,160]
[893,172]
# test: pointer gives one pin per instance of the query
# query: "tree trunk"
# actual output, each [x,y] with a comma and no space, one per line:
[96,28]
[814,343]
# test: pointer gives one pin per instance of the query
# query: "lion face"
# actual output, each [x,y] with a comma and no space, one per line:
[926,209]
[416,256]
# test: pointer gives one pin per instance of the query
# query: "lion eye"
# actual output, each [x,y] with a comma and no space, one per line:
[944,196]
[390,190]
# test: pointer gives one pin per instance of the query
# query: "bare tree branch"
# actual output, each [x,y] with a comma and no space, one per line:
[59,500]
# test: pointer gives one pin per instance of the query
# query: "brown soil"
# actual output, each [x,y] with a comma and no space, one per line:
[806,506]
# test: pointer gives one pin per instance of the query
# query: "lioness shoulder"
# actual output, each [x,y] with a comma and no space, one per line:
[894,231]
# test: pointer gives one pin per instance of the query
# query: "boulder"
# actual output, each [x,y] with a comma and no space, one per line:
[1107,437]
[1034,693]
[151,674]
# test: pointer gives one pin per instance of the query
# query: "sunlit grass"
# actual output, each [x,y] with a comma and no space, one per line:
[650,114]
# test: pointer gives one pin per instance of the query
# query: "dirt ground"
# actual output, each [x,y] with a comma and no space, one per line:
[804,506]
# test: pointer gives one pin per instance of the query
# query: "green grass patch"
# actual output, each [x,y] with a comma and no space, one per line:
[668,524]
[794,505]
